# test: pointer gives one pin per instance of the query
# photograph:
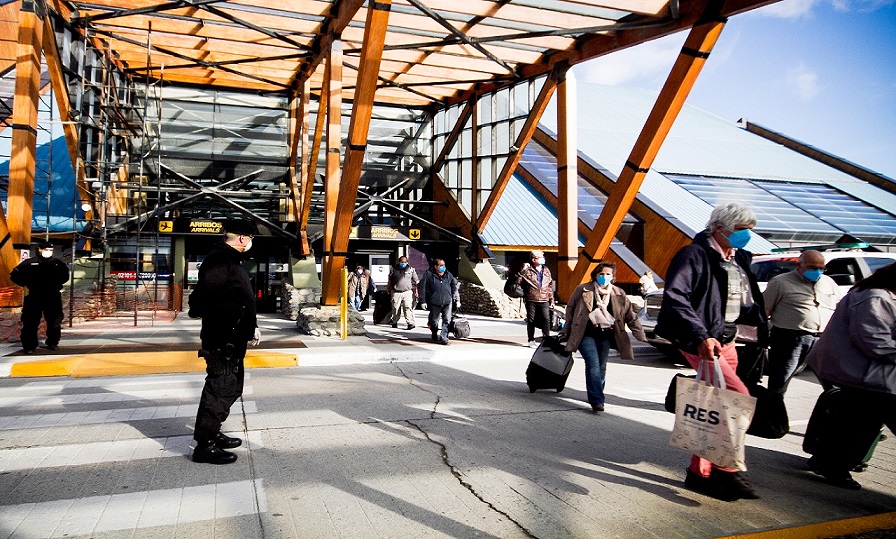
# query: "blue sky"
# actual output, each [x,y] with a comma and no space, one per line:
[822,72]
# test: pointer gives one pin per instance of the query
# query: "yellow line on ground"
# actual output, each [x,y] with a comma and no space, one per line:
[834,528]
[122,364]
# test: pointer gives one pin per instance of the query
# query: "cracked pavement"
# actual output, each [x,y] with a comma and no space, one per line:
[452,447]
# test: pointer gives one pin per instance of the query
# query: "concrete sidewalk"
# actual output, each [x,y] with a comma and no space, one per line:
[390,435]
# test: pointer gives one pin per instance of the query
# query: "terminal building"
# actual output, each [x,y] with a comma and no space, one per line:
[351,132]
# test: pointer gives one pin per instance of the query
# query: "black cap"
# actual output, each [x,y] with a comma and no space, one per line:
[41,245]
[242,227]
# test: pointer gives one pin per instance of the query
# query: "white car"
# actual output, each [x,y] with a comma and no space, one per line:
[845,267]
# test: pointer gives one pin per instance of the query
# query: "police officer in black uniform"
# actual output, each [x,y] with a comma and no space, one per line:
[42,276]
[224,299]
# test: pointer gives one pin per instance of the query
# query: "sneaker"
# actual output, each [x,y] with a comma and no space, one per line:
[597,408]
[706,486]
[411,326]
[394,326]
[533,344]
[734,484]
[212,454]
[444,342]
[838,478]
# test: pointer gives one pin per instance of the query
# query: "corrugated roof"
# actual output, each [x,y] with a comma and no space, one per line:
[699,144]
[521,217]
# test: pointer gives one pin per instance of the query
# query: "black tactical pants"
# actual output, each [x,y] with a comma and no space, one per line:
[223,387]
[48,306]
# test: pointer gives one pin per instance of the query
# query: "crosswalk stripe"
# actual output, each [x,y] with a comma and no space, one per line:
[94,417]
[134,510]
[119,395]
[112,383]
[32,458]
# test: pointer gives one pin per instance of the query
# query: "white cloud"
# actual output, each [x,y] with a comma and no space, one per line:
[803,82]
[648,61]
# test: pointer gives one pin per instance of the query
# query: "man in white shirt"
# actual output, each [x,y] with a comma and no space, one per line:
[799,305]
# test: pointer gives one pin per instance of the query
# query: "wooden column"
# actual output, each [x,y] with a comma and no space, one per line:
[696,49]
[333,174]
[567,181]
[362,108]
[24,117]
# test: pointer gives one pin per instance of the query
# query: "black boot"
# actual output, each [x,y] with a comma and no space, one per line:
[227,442]
[212,454]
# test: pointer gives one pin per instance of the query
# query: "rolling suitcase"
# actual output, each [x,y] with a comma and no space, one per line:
[549,367]
[382,308]
[839,430]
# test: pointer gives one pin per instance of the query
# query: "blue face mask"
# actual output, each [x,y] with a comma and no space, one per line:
[441,269]
[540,261]
[604,280]
[739,238]
[813,274]
[402,264]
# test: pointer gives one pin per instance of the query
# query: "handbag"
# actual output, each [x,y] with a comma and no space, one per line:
[770,420]
[514,290]
[557,321]
[669,403]
[711,421]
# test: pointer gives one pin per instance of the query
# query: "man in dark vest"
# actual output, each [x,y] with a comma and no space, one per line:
[42,277]
[225,301]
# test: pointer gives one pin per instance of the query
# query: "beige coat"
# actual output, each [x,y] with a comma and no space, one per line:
[577,321]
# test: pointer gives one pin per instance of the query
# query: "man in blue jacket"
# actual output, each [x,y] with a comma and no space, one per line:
[439,290]
[709,292]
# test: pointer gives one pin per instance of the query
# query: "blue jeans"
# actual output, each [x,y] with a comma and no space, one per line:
[436,313]
[355,302]
[787,349]
[595,352]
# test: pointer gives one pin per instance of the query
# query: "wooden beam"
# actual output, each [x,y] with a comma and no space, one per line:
[359,127]
[340,15]
[69,129]
[24,134]
[314,156]
[691,59]
[523,138]
[333,175]
[304,201]
[454,135]
[567,180]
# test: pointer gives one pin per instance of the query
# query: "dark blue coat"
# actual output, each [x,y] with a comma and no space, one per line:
[439,290]
[694,296]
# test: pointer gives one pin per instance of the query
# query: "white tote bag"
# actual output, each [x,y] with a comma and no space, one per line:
[710,420]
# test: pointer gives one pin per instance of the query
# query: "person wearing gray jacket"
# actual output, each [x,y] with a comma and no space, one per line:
[857,353]
[402,289]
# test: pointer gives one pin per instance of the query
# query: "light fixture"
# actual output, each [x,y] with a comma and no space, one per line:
[86,206]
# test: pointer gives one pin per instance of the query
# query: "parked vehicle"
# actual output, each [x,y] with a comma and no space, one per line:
[845,263]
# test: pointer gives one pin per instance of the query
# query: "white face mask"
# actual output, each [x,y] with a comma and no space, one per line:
[47,253]
[248,246]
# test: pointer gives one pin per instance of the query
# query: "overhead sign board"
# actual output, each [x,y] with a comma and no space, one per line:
[372,232]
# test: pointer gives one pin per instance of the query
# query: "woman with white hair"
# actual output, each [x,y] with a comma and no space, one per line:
[709,291]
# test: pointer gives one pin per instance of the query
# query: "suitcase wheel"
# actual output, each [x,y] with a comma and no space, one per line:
[559,389]
[532,389]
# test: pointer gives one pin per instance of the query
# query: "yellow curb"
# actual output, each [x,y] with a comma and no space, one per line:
[834,528]
[121,364]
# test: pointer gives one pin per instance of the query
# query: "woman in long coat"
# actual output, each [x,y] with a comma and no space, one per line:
[596,316]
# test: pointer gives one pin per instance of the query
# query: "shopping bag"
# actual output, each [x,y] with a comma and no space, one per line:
[711,421]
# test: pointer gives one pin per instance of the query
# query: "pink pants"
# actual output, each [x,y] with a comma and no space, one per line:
[728,363]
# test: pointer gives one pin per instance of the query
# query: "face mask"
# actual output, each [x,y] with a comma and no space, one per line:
[540,261]
[813,274]
[739,238]
[360,272]
[46,254]
[603,280]
[248,246]
[402,264]
[441,269]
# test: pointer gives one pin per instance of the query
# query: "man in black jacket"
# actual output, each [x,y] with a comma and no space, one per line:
[224,299]
[709,292]
[439,290]
[42,277]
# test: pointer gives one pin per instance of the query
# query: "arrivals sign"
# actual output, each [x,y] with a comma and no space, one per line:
[372,232]
[191,226]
